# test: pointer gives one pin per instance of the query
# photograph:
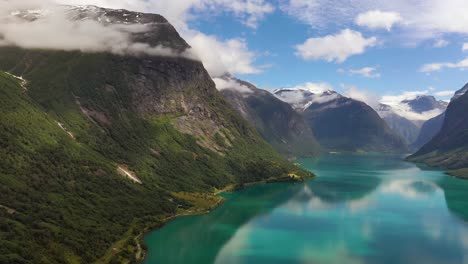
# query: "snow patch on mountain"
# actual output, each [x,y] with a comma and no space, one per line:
[416,109]
[405,111]
[301,98]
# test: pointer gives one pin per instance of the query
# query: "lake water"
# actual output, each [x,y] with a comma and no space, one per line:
[360,209]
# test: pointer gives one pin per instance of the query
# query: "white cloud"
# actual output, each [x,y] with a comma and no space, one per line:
[53,28]
[218,55]
[316,88]
[404,110]
[178,12]
[440,43]
[335,48]
[444,93]
[365,96]
[434,67]
[229,83]
[424,19]
[368,72]
[465,47]
[397,99]
[377,19]
[221,57]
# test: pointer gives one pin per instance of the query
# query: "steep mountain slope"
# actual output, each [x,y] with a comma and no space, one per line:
[96,147]
[341,123]
[428,131]
[460,92]
[276,121]
[432,126]
[407,129]
[449,148]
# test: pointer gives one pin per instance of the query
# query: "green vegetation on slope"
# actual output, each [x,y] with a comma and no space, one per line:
[70,204]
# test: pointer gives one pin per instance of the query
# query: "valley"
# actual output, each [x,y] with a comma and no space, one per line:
[158,136]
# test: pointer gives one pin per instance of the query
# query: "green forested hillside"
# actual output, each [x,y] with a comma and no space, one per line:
[66,200]
[62,199]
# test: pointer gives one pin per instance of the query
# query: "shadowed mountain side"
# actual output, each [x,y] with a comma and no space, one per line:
[403,127]
[429,130]
[449,148]
[349,125]
[275,120]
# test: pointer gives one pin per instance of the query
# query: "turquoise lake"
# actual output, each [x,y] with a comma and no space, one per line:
[360,209]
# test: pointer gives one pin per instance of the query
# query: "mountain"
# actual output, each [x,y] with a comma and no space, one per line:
[98,148]
[425,103]
[460,92]
[341,123]
[432,126]
[407,129]
[276,120]
[406,117]
[428,131]
[449,148]
[301,99]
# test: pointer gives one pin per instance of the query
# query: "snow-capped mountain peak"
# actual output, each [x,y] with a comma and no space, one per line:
[303,97]
[418,110]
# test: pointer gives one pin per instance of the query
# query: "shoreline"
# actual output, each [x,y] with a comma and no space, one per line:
[454,174]
[229,188]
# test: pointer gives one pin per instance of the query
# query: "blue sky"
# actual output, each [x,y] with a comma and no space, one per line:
[397,62]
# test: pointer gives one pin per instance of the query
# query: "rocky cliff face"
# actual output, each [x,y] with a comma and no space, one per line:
[276,120]
[97,145]
[341,123]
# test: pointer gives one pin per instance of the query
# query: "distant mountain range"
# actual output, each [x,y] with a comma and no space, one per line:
[341,123]
[408,116]
[277,121]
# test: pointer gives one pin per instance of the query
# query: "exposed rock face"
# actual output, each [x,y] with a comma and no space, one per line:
[449,148]
[276,120]
[341,123]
